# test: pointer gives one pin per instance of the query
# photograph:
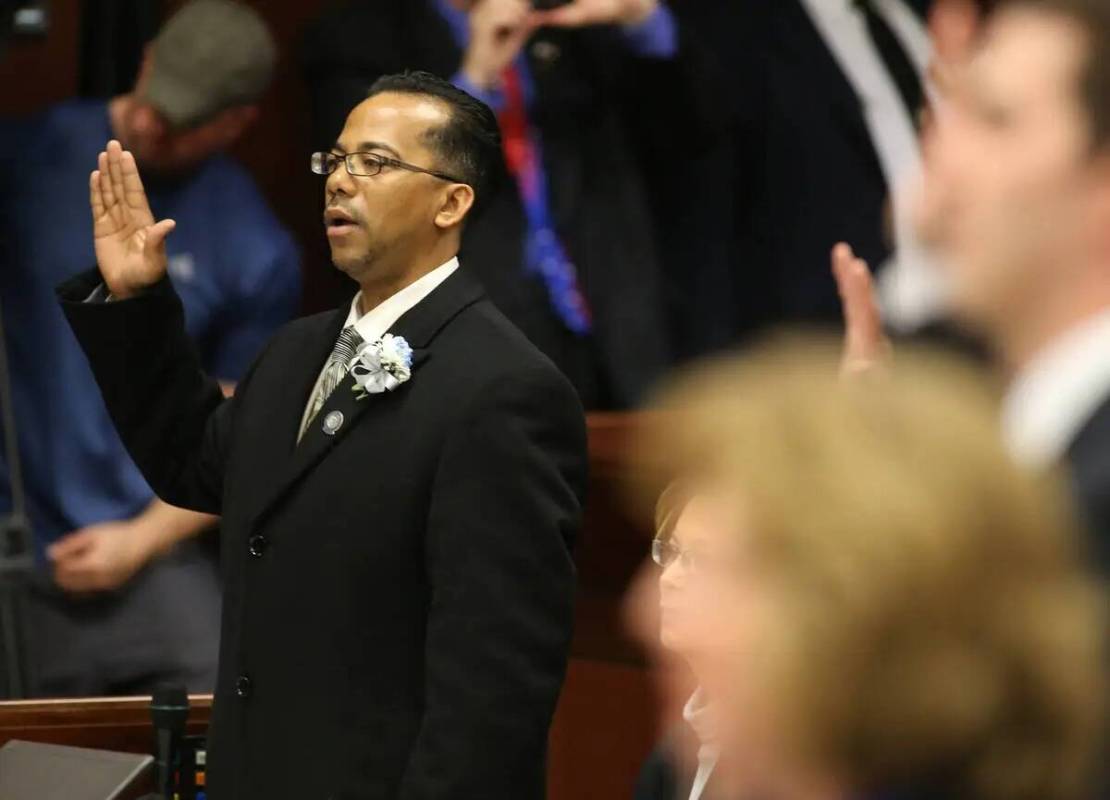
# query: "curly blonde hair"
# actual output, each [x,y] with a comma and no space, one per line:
[945,634]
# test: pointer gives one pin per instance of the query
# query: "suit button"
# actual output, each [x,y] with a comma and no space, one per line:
[257,545]
[243,686]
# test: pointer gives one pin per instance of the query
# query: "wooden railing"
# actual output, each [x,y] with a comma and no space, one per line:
[121,724]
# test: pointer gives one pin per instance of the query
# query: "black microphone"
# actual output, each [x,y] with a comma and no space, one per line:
[169,708]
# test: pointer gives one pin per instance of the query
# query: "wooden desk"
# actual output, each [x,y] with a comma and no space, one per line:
[605,722]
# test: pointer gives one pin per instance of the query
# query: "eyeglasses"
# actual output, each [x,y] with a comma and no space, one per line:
[367,165]
[664,552]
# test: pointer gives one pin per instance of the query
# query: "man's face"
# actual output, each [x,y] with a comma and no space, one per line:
[161,150]
[1009,187]
[394,211]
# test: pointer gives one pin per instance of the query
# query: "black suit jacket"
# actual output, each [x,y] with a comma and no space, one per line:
[592,101]
[1088,460]
[804,172]
[661,778]
[398,595]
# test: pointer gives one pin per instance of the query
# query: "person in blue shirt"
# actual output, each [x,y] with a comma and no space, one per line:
[128,594]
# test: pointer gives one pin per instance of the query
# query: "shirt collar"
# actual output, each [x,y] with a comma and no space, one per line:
[1057,392]
[699,715]
[376,322]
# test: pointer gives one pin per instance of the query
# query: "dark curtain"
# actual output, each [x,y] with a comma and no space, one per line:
[113,33]
[7,11]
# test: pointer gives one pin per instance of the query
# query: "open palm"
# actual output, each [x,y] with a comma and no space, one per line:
[130,245]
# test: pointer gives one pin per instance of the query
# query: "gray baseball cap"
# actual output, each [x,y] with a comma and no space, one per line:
[210,56]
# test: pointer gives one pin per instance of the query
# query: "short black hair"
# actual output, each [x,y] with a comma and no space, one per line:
[470,144]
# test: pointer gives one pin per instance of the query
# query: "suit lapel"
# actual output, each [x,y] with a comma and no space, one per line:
[800,34]
[418,326]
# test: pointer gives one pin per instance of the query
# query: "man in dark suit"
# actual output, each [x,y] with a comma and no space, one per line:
[566,247]
[400,481]
[1019,207]
[822,98]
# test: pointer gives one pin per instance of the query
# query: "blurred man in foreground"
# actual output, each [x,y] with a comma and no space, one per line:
[1018,207]
[112,615]
[876,600]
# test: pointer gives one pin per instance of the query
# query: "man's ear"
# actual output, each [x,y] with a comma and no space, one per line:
[457,202]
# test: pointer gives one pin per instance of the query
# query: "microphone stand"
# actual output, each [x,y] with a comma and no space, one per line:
[17,560]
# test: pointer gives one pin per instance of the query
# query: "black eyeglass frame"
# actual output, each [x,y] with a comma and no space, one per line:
[665,552]
[319,165]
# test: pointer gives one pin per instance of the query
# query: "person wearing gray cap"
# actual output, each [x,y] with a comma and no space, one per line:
[128,595]
[198,86]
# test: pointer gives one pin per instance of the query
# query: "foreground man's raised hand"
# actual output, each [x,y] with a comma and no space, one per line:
[130,245]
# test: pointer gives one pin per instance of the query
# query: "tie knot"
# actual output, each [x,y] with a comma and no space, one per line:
[346,345]
[349,335]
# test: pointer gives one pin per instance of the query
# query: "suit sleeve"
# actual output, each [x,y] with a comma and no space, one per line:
[505,510]
[173,419]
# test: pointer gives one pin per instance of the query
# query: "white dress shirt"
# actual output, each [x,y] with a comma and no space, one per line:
[376,322]
[1051,399]
[910,288]
[698,716]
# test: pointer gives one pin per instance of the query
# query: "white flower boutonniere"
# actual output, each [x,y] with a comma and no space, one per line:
[381,366]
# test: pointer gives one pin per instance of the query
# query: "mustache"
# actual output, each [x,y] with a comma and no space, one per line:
[350,212]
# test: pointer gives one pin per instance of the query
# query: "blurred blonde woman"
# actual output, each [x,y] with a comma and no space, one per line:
[683,767]
[876,601]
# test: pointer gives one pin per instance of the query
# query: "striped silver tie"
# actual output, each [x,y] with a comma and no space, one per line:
[339,362]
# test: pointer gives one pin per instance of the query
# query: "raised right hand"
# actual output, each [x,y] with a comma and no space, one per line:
[130,245]
[498,31]
[866,347]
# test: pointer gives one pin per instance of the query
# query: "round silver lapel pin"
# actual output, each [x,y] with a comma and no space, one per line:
[333,422]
